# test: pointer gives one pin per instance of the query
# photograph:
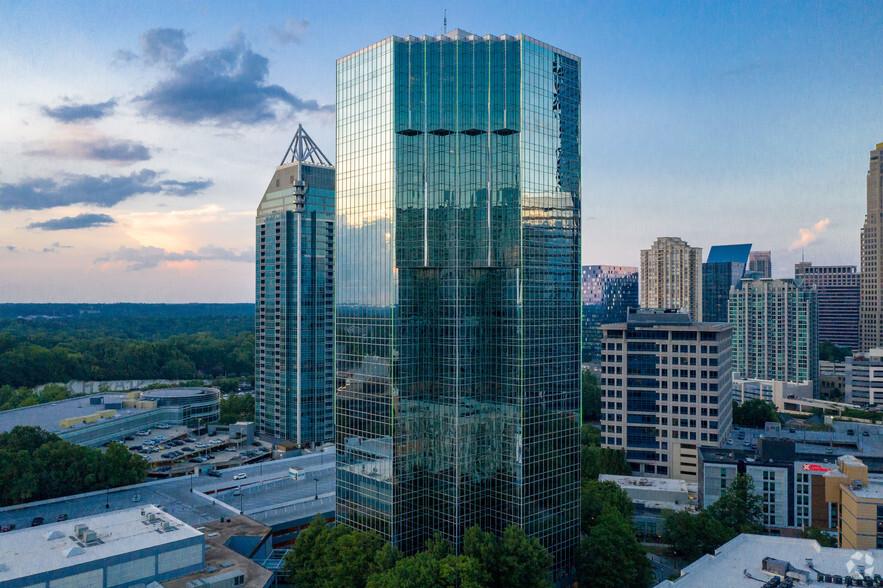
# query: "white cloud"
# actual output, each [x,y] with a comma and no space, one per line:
[807,236]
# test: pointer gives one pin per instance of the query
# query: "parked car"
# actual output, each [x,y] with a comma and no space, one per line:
[240,476]
[214,473]
[61,517]
[865,434]
[190,440]
[237,492]
[143,433]
[230,449]
[36,521]
[7,527]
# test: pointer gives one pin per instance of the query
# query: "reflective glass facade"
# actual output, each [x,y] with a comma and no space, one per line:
[607,294]
[458,290]
[294,399]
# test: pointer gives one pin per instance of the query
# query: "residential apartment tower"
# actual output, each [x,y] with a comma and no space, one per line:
[871,306]
[671,276]
[294,298]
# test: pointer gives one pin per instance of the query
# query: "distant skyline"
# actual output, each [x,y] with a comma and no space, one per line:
[137,139]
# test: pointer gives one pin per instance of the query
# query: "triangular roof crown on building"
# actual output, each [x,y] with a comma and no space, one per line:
[729,253]
[304,150]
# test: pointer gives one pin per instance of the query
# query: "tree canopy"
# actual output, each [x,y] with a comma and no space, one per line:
[591,392]
[36,465]
[345,557]
[610,555]
[755,413]
[738,510]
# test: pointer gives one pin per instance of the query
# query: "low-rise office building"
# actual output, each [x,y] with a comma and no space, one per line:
[864,378]
[749,561]
[130,547]
[771,391]
[97,418]
[666,390]
[789,469]
[858,497]
[654,498]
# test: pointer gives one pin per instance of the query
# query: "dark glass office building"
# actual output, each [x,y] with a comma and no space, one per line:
[458,290]
[724,269]
[294,298]
[608,291]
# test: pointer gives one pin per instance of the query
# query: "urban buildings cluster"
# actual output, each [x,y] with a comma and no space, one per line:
[458,313]
[423,305]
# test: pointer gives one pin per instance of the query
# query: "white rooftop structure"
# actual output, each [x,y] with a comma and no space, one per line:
[668,493]
[740,563]
[45,549]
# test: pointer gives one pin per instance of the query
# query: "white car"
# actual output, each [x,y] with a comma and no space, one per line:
[240,476]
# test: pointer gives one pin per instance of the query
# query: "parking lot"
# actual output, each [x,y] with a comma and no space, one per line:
[176,449]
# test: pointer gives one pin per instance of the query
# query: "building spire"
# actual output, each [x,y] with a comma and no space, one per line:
[304,150]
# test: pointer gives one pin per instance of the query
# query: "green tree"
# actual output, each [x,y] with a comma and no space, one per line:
[830,352]
[824,539]
[36,465]
[340,556]
[597,496]
[610,555]
[590,436]
[424,569]
[603,460]
[692,535]
[591,392]
[740,507]
[513,560]
[755,413]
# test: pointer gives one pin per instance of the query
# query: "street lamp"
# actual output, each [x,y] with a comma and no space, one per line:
[107,497]
[316,480]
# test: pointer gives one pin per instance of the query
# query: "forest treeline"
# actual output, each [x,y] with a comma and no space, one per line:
[24,363]
[115,347]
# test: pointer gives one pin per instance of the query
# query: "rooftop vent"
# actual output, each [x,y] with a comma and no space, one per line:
[54,535]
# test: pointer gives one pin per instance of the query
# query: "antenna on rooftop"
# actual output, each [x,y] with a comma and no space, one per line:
[446,21]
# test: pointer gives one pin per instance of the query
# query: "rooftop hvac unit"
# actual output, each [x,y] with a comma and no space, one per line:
[79,529]
[151,517]
[167,526]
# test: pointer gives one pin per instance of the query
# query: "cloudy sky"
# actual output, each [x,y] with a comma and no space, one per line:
[137,138]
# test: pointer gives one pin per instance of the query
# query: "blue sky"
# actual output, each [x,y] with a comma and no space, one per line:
[137,138]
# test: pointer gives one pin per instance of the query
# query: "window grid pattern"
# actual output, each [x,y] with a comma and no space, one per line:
[458,307]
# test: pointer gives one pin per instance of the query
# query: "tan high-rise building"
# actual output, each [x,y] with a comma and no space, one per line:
[871,300]
[671,276]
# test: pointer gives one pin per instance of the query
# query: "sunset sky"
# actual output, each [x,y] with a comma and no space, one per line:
[136,139]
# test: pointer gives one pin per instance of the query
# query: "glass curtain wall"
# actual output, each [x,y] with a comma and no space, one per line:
[458,293]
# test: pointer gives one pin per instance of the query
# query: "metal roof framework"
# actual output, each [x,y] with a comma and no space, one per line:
[304,150]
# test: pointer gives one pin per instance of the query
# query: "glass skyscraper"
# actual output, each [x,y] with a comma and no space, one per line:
[458,290]
[723,270]
[608,291]
[294,298]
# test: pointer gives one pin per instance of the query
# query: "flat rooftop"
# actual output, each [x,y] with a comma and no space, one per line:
[816,444]
[47,416]
[219,558]
[269,495]
[50,547]
[743,555]
[663,484]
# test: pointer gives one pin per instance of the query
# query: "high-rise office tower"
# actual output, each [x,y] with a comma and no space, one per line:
[871,306]
[837,289]
[608,291]
[458,290]
[760,264]
[294,298]
[722,271]
[671,276]
[666,390]
[775,331]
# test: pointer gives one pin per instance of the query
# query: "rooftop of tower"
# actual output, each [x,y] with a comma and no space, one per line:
[460,35]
